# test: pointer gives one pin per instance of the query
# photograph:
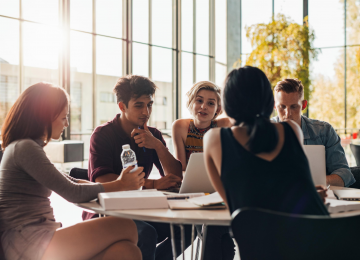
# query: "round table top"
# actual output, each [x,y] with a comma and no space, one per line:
[218,217]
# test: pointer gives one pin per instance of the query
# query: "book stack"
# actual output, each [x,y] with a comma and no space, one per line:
[137,199]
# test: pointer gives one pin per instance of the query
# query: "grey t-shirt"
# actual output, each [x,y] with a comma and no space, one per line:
[27,178]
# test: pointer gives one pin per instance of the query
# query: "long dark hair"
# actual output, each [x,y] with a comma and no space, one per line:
[33,112]
[248,99]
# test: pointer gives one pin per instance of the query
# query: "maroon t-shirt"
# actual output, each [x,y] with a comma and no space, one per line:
[105,149]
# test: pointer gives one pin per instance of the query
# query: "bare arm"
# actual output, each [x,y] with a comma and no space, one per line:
[335,180]
[126,181]
[168,162]
[178,141]
[212,153]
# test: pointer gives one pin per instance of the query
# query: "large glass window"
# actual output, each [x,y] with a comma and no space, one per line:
[9,8]
[86,51]
[140,21]
[187,66]
[292,9]
[108,70]
[81,15]
[140,59]
[9,65]
[220,42]
[251,14]
[81,83]
[41,45]
[329,25]
[202,26]
[328,87]
[187,25]
[109,17]
[41,11]
[161,23]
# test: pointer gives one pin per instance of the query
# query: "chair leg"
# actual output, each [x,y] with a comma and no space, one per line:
[198,248]
[199,241]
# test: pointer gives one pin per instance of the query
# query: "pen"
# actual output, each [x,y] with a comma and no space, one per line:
[143,147]
[328,187]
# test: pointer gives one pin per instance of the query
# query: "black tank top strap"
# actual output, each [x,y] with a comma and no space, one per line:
[291,140]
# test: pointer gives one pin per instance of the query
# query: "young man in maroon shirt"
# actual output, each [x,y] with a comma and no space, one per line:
[135,95]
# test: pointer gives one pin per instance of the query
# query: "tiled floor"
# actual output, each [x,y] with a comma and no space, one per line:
[68,214]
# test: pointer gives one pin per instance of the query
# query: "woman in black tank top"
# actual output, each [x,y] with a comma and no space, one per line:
[257,163]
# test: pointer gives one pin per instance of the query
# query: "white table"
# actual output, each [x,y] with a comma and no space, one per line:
[181,217]
[215,217]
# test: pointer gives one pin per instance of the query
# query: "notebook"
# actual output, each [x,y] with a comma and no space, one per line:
[336,206]
[347,194]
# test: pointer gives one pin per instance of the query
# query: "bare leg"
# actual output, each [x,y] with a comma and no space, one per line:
[124,250]
[101,237]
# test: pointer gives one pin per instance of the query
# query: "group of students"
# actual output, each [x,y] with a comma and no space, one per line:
[252,160]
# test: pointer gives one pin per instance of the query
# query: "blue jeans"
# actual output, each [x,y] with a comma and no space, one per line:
[152,233]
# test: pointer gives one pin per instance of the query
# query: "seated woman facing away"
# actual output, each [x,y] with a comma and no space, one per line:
[257,163]
[27,177]
[204,104]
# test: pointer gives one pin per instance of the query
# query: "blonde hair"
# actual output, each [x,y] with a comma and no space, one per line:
[203,85]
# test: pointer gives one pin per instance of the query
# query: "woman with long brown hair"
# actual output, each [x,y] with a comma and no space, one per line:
[27,177]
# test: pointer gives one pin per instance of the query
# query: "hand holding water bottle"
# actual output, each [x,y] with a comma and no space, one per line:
[131,178]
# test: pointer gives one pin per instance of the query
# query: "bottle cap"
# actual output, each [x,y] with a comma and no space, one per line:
[126,146]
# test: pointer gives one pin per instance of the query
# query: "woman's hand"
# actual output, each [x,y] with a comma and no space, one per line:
[131,180]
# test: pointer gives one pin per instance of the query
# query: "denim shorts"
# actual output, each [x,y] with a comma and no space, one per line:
[28,242]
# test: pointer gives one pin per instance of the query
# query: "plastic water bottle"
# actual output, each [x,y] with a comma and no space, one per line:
[128,157]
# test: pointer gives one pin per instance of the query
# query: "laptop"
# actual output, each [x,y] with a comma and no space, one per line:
[196,178]
[317,161]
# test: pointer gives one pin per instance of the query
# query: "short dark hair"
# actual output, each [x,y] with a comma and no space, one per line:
[248,98]
[133,86]
[33,112]
[290,86]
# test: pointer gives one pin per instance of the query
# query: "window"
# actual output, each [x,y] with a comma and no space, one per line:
[86,50]
[107,97]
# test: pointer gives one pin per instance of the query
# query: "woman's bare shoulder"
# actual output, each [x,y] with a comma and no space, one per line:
[181,123]
[212,135]
[223,122]
[296,128]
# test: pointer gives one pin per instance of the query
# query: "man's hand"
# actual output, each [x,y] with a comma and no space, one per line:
[167,182]
[144,138]
[131,180]
[321,189]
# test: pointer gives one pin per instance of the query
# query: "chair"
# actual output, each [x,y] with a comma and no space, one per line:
[79,173]
[356,172]
[355,149]
[265,234]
